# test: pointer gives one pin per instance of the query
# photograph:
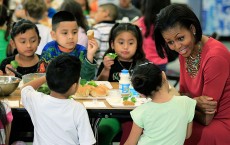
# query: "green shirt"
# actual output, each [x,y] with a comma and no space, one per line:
[3,45]
[164,123]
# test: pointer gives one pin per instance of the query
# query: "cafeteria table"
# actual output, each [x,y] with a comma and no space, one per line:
[22,127]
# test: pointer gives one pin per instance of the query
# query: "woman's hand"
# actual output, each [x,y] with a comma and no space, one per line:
[108,62]
[206,104]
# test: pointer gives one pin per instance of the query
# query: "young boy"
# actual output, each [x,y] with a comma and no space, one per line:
[105,19]
[35,11]
[57,119]
[65,35]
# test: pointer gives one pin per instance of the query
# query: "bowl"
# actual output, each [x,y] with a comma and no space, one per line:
[8,84]
[29,77]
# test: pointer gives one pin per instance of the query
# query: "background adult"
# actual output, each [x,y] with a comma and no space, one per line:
[150,8]
[204,72]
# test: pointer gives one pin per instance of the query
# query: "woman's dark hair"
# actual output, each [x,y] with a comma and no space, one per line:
[127,27]
[147,78]
[5,18]
[150,8]
[75,8]
[3,120]
[172,16]
[21,27]
[62,72]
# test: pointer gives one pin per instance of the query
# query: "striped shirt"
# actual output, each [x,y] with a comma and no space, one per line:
[101,34]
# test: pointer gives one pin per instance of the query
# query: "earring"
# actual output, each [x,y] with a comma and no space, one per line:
[194,33]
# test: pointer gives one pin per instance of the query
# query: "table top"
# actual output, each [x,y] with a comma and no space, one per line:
[94,112]
[16,96]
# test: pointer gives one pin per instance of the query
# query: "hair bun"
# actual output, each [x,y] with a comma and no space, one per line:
[138,82]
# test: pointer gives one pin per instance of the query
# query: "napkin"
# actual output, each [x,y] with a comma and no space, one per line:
[94,104]
[106,83]
[12,104]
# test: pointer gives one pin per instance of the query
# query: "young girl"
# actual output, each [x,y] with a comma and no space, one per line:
[25,38]
[6,118]
[167,119]
[126,41]
[5,21]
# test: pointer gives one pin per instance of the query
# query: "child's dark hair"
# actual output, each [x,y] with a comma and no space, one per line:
[122,27]
[35,9]
[62,72]
[147,78]
[21,27]
[61,16]
[75,8]
[171,16]
[5,17]
[3,120]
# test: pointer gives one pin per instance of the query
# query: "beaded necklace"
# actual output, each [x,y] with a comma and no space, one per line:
[124,67]
[193,63]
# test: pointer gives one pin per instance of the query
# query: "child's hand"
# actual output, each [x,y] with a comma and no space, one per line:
[1,73]
[92,48]
[108,62]
[8,72]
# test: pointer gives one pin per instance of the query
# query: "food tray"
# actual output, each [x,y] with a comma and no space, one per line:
[112,93]
[121,105]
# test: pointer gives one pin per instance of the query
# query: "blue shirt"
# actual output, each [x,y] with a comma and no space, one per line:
[51,50]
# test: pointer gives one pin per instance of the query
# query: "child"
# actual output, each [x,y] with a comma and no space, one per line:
[5,21]
[75,8]
[6,118]
[25,38]
[65,35]
[35,11]
[125,40]
[57,119]
[105,19]
[167,119]
[127,9]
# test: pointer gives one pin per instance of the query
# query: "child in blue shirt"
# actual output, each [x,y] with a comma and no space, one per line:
[65,35]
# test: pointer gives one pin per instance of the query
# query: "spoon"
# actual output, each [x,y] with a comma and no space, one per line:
[15,72]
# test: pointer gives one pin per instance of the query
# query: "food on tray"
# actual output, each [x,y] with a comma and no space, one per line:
[84,91]
[99,91]
[128,103]
[90,88]
[92,83]
[90,34]
[112,55]
[44,89]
